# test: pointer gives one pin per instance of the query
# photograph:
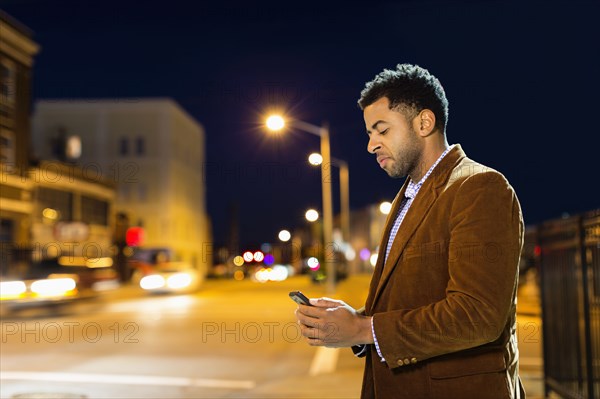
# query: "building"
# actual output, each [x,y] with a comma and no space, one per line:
[47,209]
[152,150]
[17,50]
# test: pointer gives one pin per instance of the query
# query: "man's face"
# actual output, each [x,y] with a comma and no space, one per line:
[392,139]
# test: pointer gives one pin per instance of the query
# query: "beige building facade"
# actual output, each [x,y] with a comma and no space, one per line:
[152,150]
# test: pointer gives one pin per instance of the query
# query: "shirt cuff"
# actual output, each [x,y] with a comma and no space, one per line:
[376,343]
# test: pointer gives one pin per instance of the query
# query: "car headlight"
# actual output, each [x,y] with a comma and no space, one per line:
[53,287]
[179,280]
[152,282]
[12,289]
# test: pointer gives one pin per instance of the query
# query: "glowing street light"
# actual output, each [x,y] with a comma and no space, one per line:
[311,215]
[315,159]
[284,235]
[385,207]
[276,122]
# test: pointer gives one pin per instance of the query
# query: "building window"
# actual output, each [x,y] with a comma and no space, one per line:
[140,146]
[7,82]
[6,231]
[8,92]
[123,146]
[94,211]
[7,148]
[56,200]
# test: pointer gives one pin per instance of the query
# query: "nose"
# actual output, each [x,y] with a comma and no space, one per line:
[373,145]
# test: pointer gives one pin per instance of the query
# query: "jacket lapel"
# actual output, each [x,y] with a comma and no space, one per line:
[389,223]
[414,217]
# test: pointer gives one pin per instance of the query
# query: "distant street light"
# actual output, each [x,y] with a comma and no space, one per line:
[284,235]
[316,159]
[277,122]
[311,215]
[385,207]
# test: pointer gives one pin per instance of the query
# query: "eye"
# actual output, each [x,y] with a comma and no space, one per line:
[384,131]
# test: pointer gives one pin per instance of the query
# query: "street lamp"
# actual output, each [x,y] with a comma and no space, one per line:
[316,159]
[385,207]
[284,235]
[311,215]
[277,122]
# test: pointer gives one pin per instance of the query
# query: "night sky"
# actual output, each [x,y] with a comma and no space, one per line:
[521,78]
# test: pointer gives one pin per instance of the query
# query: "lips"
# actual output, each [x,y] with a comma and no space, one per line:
[381,159]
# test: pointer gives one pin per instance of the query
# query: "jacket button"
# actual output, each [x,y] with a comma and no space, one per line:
[400,362]
[406,361]
[413,360]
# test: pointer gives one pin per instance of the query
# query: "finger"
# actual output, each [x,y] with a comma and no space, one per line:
[320,340]
[311,311]
[307,321]
[314,337]
[326,302]
[310,333]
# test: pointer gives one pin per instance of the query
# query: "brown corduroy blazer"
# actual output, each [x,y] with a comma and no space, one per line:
[444,302]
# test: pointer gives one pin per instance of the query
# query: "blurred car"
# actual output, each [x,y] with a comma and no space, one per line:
[155,271]
[57,281]
[56,289]
[92,274]
[168,277]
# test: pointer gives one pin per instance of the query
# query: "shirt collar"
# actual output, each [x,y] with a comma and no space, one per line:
[413,188]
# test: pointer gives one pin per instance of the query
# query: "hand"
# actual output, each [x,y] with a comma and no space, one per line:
[333,323]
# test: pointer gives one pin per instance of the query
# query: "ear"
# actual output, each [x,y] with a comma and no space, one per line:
[424,123]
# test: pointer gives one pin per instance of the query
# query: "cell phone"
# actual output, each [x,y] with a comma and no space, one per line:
[300,298]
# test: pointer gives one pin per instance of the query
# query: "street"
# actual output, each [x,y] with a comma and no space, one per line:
[232,339]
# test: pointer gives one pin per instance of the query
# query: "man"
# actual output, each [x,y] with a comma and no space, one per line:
[439,320]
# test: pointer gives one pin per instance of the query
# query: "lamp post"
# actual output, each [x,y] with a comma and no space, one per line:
[316,159]
[276,122]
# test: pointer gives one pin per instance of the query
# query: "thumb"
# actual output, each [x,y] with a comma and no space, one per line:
[326,302]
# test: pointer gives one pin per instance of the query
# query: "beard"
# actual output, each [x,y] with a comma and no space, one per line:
[408,159]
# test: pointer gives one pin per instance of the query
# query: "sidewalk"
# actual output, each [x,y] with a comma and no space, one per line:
[529,320]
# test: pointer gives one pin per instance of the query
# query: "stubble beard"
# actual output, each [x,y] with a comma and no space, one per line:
[406,160]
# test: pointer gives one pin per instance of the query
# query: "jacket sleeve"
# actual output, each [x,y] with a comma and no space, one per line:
[485,237]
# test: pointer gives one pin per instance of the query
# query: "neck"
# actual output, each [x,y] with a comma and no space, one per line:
[430,154]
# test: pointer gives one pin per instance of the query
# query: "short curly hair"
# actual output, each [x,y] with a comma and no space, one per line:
[410,89]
